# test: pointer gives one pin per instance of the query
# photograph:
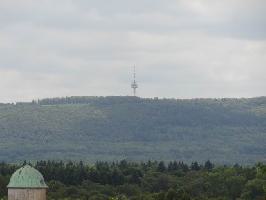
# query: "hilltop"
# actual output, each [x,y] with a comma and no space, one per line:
[115,128]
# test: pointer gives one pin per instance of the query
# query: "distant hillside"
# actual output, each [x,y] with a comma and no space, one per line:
[114,128]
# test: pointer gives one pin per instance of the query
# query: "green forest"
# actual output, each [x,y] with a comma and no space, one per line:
[149,180]
[226,131]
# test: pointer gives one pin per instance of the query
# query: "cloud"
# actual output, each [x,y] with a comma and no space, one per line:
[181,48]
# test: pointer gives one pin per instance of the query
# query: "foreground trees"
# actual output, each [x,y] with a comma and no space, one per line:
[147,181]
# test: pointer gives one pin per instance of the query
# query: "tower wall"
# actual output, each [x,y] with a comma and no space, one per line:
[26,194]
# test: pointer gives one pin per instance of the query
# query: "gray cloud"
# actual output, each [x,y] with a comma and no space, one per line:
[197,48]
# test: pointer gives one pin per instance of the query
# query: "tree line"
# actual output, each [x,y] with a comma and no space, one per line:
[164,129]
[150,180]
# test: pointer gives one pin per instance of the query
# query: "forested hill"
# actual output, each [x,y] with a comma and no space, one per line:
[114,128]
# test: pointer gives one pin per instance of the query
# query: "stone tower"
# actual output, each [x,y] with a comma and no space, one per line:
[27,184]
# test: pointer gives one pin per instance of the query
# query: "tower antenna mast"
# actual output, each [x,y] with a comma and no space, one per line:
[134,84]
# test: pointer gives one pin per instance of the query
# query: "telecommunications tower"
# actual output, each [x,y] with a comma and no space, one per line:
[134,84]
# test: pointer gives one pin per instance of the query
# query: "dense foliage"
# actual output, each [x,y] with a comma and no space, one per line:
[137,129]
[147,181]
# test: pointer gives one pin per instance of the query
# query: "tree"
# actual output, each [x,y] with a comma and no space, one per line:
[183,195]
[254,190]
[235,185]
[195,166]
[161,167]
[208,165]
[171,195]
[117,177]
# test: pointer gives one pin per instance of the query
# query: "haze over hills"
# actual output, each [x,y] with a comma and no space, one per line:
[113,128]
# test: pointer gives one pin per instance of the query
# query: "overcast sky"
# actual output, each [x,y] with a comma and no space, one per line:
[181,48]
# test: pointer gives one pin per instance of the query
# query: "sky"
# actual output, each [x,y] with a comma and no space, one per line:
[181,48]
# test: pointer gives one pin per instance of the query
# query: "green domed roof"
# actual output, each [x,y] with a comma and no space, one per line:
[27,177]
